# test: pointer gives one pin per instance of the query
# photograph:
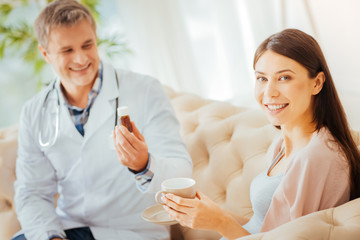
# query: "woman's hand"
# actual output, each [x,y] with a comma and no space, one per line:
[202,213]
[199,213]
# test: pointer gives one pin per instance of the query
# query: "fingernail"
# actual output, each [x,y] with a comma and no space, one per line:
[122,128]
[163,198]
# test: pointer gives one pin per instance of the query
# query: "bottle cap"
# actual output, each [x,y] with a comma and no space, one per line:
[123,111]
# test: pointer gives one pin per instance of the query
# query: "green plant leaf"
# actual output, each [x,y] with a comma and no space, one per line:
[91,4]
[5,9]
[39,65]
[2,49]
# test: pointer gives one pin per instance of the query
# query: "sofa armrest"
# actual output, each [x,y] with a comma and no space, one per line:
[337,223]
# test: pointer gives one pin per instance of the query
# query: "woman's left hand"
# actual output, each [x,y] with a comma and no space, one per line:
[198,213]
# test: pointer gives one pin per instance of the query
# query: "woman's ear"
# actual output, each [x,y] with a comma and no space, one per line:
[318,83]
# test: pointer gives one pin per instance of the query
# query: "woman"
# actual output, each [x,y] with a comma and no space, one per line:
[295,90]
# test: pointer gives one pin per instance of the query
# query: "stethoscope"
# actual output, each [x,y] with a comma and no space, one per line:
[51,142]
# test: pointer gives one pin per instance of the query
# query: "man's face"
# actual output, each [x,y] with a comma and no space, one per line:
[72,51]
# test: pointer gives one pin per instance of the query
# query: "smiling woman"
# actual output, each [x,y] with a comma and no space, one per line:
[311,89]
[294,88]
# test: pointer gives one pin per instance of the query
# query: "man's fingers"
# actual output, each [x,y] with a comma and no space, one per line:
[136,132]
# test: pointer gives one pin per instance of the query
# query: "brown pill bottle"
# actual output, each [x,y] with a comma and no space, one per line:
[124,117]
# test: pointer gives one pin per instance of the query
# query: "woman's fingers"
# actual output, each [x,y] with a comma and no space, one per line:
[177,203]
[186,202]
[201,212]
[183,218]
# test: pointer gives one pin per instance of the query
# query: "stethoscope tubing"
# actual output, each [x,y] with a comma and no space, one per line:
[57,119]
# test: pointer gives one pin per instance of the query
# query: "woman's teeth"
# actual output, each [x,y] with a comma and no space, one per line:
[276,107]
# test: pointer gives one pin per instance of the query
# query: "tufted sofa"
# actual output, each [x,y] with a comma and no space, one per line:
[228,145]
[8,145]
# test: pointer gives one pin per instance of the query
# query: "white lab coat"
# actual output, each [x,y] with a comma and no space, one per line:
[95,189]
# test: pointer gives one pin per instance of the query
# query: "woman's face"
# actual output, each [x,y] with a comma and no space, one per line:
[284,90]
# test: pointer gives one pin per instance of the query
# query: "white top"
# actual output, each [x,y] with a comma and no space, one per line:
[261,192]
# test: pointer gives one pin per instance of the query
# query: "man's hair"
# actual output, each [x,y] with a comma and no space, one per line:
[60,13]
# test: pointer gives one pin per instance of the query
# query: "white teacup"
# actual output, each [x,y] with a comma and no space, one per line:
[183,187]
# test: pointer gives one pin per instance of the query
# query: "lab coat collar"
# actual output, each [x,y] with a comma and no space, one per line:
[102,109]
[66,125]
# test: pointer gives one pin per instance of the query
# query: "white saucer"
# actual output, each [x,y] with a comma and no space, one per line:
[157,214]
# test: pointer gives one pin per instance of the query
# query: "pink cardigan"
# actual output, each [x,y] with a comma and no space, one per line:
[317,178]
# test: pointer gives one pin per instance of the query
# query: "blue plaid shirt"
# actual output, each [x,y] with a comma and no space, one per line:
[81,115]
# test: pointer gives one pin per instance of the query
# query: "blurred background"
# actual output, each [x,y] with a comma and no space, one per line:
[203,47]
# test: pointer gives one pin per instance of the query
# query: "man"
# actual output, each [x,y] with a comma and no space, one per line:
[66,144]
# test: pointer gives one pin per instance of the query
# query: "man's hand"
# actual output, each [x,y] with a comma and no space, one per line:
[131,148]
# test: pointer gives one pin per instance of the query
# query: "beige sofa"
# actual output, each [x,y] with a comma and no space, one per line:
[228,145]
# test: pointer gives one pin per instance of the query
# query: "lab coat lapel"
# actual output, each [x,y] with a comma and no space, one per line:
[104,105]
[67,126]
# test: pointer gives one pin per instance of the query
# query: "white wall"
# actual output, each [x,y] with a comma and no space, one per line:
[215,59]
[159,34]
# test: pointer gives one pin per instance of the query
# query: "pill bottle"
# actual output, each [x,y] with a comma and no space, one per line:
[124,117]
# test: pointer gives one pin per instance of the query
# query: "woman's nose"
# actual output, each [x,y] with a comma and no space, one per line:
[271,89]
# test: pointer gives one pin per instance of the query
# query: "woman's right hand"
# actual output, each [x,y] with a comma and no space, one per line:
[202,213]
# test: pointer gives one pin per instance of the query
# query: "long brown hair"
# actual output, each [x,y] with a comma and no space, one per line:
[305,50]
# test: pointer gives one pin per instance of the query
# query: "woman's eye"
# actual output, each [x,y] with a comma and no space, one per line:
[87,46]
[261,79]
[284,78]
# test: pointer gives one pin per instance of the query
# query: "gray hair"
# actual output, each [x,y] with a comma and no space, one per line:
[60,13]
